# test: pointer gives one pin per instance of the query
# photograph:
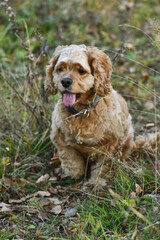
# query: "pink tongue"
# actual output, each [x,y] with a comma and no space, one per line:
[69,99]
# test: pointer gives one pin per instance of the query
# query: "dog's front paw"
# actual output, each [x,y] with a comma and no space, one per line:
[75,170]
[74,173]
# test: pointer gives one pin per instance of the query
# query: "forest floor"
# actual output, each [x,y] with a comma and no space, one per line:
[37,201]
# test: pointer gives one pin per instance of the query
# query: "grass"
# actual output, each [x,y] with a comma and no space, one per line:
[128,208]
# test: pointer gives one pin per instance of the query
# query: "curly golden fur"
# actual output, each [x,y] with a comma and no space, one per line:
[80,74]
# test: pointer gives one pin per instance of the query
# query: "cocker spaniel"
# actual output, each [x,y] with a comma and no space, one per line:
[90,122]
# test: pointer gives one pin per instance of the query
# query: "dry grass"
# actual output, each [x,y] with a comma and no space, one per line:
[25,113]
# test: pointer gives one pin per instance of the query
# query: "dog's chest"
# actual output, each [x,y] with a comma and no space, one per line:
[84,131]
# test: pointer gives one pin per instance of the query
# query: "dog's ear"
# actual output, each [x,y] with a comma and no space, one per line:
[101,69]
[48,84]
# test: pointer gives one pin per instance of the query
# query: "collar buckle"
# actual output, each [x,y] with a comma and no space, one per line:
[86,113]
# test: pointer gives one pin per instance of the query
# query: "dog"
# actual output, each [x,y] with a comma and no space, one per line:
[90,122]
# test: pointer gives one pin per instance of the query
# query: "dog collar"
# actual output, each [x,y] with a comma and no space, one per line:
[86,111]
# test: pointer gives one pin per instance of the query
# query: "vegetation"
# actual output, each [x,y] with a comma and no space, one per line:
[37,200]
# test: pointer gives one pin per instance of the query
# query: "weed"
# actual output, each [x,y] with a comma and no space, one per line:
[129,33]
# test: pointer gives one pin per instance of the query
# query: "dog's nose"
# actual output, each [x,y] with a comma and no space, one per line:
[66,82]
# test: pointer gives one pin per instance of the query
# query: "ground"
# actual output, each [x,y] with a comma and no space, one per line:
[37,200]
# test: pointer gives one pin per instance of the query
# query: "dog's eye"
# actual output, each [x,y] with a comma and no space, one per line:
[81,71]
[60,69]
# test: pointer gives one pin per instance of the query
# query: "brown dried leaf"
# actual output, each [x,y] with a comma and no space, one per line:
[129,46]
[32,210]
[149,105]
[149,125]
[55,160]
[42,178]
[145,77]
[53,190]
[139,190]
[42,215]
[134,89]
[17,164]
[39,234]
[56,201]
[5,207]
[56,210]
[23,199]
[53,179]
[16,201]
[7,181]
[155,210]
[113,203]
[42,193]
[70,212]
[133,195]
[44,202]
[122,69]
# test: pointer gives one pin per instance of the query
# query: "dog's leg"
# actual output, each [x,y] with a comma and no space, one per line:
[72,162]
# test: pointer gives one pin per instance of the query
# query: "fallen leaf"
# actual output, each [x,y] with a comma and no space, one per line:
[44,202]
[55,160]
[55,157]
[33,170]
[71,212]
[21,231]
[139,172]
[129,46]
[5,207]
[17,164]
[16,201]
[133,195]
[139,190]
[32,210]
[132,69]
[149,125]
[53,179]
[121,69]
[62,191]
[124,224]
[53,190]
[155,212]
[125,5]
[39,234]
[42,215]
[7,181]
[134,89]
[113,203]
[42,193]
[56,201]
[149,105]
[42,178]
[56,210]
[145,77]
[23,199]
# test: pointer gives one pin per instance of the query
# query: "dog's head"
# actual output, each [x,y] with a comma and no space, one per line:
[76,70]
